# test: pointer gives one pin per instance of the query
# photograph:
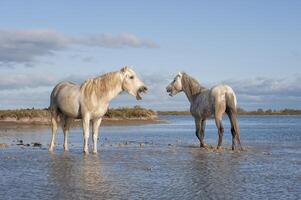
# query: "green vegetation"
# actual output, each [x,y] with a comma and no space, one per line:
[24,113]
[243,112]
[120,113]
[127,113]
[173,112]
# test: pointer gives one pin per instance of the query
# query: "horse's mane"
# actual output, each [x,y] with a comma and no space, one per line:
[191,84]
[100,85]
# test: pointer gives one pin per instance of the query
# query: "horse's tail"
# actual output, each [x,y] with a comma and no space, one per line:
[53,107]
[231,110]
[231,101]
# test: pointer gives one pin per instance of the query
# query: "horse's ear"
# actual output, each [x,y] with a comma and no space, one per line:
[124,69]
[180,74]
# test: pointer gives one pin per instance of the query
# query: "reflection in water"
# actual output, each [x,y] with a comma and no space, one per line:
[215,174]
[61,171]
[78,176]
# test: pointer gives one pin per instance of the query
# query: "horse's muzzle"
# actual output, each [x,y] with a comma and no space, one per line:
[169,90]
[142,89]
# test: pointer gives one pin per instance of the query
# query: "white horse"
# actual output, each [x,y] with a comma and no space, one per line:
[89,102]
[207,102]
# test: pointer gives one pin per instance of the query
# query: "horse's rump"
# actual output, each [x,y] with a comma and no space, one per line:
[65,99]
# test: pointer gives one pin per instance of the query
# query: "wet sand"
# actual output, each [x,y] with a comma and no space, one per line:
[40,124]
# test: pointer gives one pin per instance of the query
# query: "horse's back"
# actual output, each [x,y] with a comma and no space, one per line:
[66,98]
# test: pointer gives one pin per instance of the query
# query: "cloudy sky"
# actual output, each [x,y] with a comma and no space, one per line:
[254,46]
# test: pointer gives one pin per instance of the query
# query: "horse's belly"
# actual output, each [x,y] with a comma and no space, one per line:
[203,112]
[201,109]
[69,105]
[70,112]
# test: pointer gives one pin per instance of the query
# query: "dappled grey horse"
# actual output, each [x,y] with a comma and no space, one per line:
[89,102]
[207,102]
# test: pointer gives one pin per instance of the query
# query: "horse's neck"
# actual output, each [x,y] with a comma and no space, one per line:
[192,89]
[191,97]
[105,87]
[115,88]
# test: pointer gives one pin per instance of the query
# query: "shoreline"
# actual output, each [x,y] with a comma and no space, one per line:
[15,124]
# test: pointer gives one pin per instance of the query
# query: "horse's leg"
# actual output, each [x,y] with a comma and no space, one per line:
[66,127]
[86,123]
[200,130]
[220,128]
[54,129]
[96,124]
[234,128]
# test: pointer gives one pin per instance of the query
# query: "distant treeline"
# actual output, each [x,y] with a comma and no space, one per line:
[260,111]
[243,112]
[123,113]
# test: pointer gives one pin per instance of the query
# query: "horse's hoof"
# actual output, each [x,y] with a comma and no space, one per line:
[204,146]
[237,149]
[94,152]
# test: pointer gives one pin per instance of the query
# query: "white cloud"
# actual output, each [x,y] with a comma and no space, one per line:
[268,92]
[290,86]
[16,82]
[25,98]
[34,90]
[115,41]
[21,81]
[25,46]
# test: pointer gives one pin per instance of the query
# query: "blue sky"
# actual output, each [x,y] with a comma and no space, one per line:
[254,46]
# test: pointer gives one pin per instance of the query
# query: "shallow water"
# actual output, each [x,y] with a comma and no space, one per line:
[160,161]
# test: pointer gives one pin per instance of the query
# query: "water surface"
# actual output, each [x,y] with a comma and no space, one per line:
[161,161]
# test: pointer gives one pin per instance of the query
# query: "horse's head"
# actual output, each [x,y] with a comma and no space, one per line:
[131,83]
[175,86]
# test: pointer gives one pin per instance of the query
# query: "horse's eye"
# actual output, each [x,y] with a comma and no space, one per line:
[131,77]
